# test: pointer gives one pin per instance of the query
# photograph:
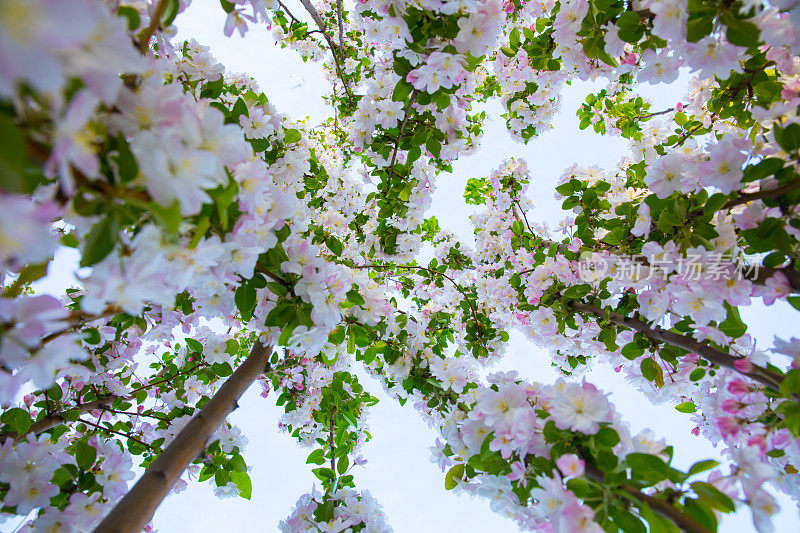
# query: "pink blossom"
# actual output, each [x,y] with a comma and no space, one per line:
[570,465]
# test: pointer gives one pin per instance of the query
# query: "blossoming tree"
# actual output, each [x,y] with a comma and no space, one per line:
[222,243]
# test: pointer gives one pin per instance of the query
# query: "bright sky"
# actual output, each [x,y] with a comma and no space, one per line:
[399,473]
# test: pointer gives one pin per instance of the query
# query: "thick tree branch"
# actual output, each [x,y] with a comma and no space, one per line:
[777,192]
[662,507]
[759,374]
[136,509]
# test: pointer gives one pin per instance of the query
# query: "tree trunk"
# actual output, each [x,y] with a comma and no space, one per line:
[135,510]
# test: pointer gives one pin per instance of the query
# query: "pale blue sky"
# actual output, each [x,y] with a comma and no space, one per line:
[398,473]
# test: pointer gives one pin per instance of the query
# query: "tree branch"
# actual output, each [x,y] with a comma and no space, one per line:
[143,40]
[390,169]
[334,49]
[136,509]
[759,374]
[664,508]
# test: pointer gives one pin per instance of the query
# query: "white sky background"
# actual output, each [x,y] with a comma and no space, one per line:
[399,474]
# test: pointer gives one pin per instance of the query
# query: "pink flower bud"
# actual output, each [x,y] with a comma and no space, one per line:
[728,426]
[738,387]
[757,441]
[781,439]
[696,431]
[743,365]
[731,406]
[28,399]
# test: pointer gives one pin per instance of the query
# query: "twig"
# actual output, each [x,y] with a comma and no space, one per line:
[390,169]
[324,29]
[341,24]
[143,40]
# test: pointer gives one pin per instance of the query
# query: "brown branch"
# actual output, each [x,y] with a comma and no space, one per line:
[657,113]
[55,419]
[662,507]
[334,49]
[341,24]
[143,40]
[777,192]
[115,432]
[762,375]
[458,287]
[136,508]
[390,169]
[330,440]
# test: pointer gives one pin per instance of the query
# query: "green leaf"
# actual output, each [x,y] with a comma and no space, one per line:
[239,109]
[281,316]
[194,345]
[291,136]
[134,20]
[697,374]
[630,27]
[237,462]
[791,383]
[316,457]
[607,437]
[85,455]
[324,474]
[702,466]
[18,419]
[434,147]
[626,521]
[740,32]
[699,26]
[243,483]
[632,351]
[127,167]
[686,407]
[401,91]
[170,217]
[354,297]
[28,274]
[100,241]
[647,465]
[732,326]
[454,474]
[170,12]
[648,367]
[789,137]
[701,512]
[334,245]
[341,465]
[12,158]
[91,336]
[245,298]
[658,523]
